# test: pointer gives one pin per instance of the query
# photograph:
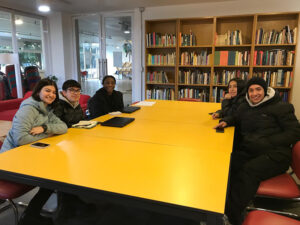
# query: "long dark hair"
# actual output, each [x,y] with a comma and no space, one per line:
[241,85]
[38,87]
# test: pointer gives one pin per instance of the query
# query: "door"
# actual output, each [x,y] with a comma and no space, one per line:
[104,47]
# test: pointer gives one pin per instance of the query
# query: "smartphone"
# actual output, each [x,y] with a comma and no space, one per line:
[220,130]
[39,145]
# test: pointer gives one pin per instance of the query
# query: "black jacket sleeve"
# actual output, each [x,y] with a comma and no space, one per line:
[288,123]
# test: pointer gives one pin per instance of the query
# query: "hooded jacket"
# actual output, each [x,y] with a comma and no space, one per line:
[31,114]
[269,127]
[102,103]
[230,106]
[67,112]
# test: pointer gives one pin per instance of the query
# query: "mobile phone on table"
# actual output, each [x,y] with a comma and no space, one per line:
[39,145]
[220,129]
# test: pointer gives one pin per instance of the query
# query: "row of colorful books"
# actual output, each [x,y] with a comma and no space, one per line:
[275,57]
[202,94]
[160,40]
[162,59]
[237,58]
[284,95]
[157,77]
[223,77]
[277,78]
[193,77]
[161,93]
[285,36]
[187,39]
[202,58]
[230,38]
[218,94]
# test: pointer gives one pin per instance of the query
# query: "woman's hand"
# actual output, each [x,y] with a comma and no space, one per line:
[228,96]
[221,125]
[37,130]
[215,115]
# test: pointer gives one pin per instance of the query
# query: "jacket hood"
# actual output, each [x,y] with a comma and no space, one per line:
[39,105]
[63,98]
[271,94]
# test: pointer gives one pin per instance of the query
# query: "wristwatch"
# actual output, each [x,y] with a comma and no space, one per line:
[44,126]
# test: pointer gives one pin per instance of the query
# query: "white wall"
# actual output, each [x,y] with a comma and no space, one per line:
[238,7]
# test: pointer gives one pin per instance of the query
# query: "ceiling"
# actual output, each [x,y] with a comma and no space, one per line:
[91,6]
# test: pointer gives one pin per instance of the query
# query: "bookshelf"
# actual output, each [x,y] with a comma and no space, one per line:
[205,53]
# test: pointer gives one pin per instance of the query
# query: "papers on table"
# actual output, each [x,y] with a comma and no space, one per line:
[85,124]
[144,103]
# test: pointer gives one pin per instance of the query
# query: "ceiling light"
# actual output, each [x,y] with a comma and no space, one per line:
[44,8]
[126,31]
[18,22]
[43,5]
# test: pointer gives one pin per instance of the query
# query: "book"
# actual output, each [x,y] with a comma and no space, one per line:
[85,124]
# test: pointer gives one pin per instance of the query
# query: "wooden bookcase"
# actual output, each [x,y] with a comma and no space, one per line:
[209,51]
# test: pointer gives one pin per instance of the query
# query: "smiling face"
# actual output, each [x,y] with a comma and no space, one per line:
[109,85]
[48,94]
[232,88]
[72,94]
[256,93]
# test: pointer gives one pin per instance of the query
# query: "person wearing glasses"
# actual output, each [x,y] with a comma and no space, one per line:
[68,109]
[106,99]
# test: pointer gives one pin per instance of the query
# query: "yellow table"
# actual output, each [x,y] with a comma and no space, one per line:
[167,163]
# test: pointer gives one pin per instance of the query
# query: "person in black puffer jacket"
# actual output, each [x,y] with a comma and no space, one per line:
[69,109]
[234,97]
[106,99]
[266,129]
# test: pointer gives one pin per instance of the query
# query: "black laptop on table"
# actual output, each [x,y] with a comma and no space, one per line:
[117,121]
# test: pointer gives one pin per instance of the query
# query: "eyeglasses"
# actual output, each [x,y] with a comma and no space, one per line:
[74,91]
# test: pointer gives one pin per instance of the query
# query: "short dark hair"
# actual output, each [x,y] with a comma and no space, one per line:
[108,76]
[70,83]
[38,87]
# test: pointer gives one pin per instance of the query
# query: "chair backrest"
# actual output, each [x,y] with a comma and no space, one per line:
[27,95]
[32,76]
[296,159]
[11,77]
[2,89]
[190,99]
[83,101]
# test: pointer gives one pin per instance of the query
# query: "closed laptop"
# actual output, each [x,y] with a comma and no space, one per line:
[130,109]
[117,121]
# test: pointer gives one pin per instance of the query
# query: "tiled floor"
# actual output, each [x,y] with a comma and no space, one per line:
[89,87]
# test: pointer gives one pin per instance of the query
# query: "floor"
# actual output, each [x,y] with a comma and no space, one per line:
[90,86]
[7,216]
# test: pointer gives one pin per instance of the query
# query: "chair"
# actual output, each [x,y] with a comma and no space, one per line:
[32,76]
[83,101]
[11,77]
[10,190]
[2,89]
[8,108]
[259,217]
[84,75]
[190,99]
[283,186]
